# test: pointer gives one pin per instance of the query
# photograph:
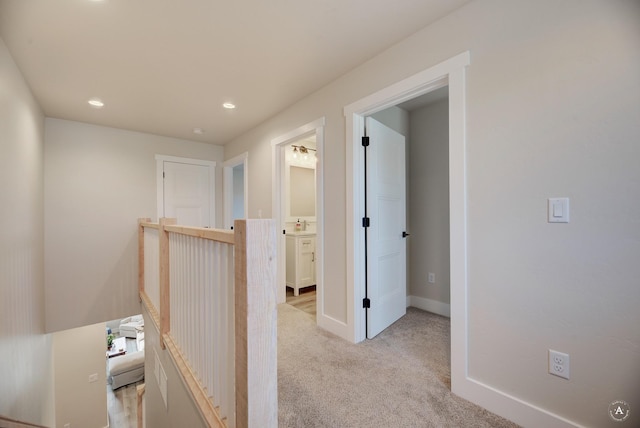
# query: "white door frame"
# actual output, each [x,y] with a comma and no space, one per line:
[452,73]
[160,159]
[278,201]
[227,189]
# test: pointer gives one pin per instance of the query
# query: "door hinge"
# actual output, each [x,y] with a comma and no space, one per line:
[162,174]
[366,303]
[365,141]
[366,222]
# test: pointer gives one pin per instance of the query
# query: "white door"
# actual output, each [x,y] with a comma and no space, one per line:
[386,243]
[188,193]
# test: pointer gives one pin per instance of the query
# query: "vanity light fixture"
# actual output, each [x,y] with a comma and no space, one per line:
[302,150]
[96,103]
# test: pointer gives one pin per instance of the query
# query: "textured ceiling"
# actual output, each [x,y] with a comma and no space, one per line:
[165,66]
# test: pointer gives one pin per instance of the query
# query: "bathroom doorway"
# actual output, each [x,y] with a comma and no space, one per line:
[297,210]
[300,223]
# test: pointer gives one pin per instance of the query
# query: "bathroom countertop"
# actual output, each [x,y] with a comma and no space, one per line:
[301,233]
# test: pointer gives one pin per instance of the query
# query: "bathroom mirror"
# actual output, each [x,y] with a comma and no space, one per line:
[302,193]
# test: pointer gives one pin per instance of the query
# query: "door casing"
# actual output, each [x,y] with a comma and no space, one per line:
[452,73]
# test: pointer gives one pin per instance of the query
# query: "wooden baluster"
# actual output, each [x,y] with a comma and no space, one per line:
[165,316]
[141,253]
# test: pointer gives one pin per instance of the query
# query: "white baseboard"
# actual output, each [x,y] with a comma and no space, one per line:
[334,326]
[501,403]
[430,305]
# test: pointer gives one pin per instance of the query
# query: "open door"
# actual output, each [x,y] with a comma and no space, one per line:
[386,253]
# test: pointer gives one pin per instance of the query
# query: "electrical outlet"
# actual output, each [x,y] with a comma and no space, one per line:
[431,278]
[93,377]
[559,364]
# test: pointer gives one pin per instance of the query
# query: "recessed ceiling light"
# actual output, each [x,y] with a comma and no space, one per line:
[198,131]
[96,103]
[229,105]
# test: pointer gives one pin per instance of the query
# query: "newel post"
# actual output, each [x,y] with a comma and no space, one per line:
[165,303]
[141,254]
[256,323]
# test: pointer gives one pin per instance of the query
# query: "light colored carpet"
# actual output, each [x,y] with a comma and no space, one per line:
[399,379]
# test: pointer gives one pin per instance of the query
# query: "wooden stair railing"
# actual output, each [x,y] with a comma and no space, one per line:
[254,324]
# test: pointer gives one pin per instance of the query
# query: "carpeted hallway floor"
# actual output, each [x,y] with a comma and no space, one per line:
[399,379]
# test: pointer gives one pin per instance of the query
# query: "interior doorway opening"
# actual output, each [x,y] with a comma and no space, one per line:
[300,223]
[297,210]
[452,73]
[235,189]
[424,122]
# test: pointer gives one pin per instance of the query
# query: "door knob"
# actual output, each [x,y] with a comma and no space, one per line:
[405,234]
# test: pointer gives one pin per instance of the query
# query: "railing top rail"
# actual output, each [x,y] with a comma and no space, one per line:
[219,235]
[149,225]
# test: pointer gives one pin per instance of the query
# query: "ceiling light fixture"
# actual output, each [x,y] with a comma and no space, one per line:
[229,106]
[96,103]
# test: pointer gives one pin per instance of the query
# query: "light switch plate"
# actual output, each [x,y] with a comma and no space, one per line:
[558,210]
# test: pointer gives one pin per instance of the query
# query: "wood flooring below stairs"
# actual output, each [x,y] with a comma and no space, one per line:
[122,403]
[306,301]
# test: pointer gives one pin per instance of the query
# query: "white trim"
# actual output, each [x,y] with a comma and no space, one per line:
[458,229]
[429,305]
[277,168]
[451,72]
[160,159]
[420,83]
[227,187]
[513,408]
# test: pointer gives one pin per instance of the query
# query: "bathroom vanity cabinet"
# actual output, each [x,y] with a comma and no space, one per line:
[301,260]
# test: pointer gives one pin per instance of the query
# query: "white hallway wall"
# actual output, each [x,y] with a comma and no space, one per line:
[98,181]
[26,372]
[552,108]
